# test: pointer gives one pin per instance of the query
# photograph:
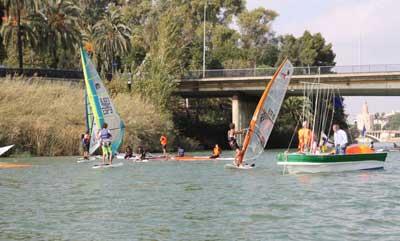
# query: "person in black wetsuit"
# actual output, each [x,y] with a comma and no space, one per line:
[141,152]
[128,152]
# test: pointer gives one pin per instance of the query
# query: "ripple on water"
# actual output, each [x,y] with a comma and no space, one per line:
[58,199]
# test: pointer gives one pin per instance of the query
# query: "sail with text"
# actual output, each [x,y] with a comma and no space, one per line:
[266,112]
[99,107]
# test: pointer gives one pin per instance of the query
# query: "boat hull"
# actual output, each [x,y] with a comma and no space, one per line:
[301,163]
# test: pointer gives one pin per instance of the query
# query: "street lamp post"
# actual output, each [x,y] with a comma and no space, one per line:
[204,41]
[130,81]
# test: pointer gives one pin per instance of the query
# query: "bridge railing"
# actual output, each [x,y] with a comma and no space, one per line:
[48,73]
[309,70]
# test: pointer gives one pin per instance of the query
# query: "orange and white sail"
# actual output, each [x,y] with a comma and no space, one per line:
[266,112]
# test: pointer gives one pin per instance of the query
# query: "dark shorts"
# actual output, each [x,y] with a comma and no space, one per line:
[85,147]
[233,144]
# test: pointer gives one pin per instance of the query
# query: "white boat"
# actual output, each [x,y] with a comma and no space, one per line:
[4,149]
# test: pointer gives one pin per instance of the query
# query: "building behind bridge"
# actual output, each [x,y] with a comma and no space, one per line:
[365,119]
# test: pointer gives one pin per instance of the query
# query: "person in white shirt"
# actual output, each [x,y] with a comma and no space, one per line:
[340,139]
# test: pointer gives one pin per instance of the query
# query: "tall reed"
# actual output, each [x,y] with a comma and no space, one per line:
[47,118]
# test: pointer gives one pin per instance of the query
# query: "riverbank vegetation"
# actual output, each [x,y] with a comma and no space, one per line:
[45,118]
[151,43]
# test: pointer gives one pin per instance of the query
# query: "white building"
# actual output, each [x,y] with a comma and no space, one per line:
[365,119]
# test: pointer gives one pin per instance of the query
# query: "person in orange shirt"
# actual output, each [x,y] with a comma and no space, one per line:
[164,142]
[304,138]
[216,152]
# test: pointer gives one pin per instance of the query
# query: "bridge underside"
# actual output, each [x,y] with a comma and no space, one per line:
[367,84]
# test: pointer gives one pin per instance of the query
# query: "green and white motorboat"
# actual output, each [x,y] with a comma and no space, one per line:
[313,163]
[320,104]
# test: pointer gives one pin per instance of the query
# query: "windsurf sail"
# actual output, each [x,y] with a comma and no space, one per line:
[100,108]
[4,149]
[91,126]
[266,112]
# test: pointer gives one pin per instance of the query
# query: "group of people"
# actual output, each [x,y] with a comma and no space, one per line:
[308,142]
[216,152]
[104,138]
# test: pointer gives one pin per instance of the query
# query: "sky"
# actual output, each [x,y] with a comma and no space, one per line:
[361,32]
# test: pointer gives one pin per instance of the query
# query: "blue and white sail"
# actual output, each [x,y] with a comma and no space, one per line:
[99,107]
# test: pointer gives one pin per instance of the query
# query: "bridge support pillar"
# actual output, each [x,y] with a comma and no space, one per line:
[242,112]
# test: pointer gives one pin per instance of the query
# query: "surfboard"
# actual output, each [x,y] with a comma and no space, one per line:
[245,167]
[144,160]
[82,160]
[108,165]
[200,158]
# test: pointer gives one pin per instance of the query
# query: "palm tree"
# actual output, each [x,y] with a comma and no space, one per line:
[16,10]
[112,36]
[56,22]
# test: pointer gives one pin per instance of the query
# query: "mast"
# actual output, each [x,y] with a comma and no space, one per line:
[86,113]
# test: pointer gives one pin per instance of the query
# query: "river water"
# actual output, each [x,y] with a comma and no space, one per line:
[59,199]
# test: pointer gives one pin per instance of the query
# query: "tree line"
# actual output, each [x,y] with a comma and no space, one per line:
[124,34]
[156,41]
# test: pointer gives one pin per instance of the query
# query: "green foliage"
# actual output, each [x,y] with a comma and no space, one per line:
[16,28]
[393,123]
[164,62]
[157,42]
[308,50]
[111,37]
[56,27]
[254,26]
[255,29]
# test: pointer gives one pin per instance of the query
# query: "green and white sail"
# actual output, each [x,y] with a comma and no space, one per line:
[99,107]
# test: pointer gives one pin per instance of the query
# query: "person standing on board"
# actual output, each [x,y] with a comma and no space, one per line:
[105,140]
[86,145]
[164,142]
[232,133]
[304,138]
[340,139]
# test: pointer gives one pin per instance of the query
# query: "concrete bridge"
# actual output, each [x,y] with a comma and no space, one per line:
[245,86]
[384,135]
[368,80]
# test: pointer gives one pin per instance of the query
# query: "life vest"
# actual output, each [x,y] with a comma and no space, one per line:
[304,139]
[216,151]
[105,134]
[163,140]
